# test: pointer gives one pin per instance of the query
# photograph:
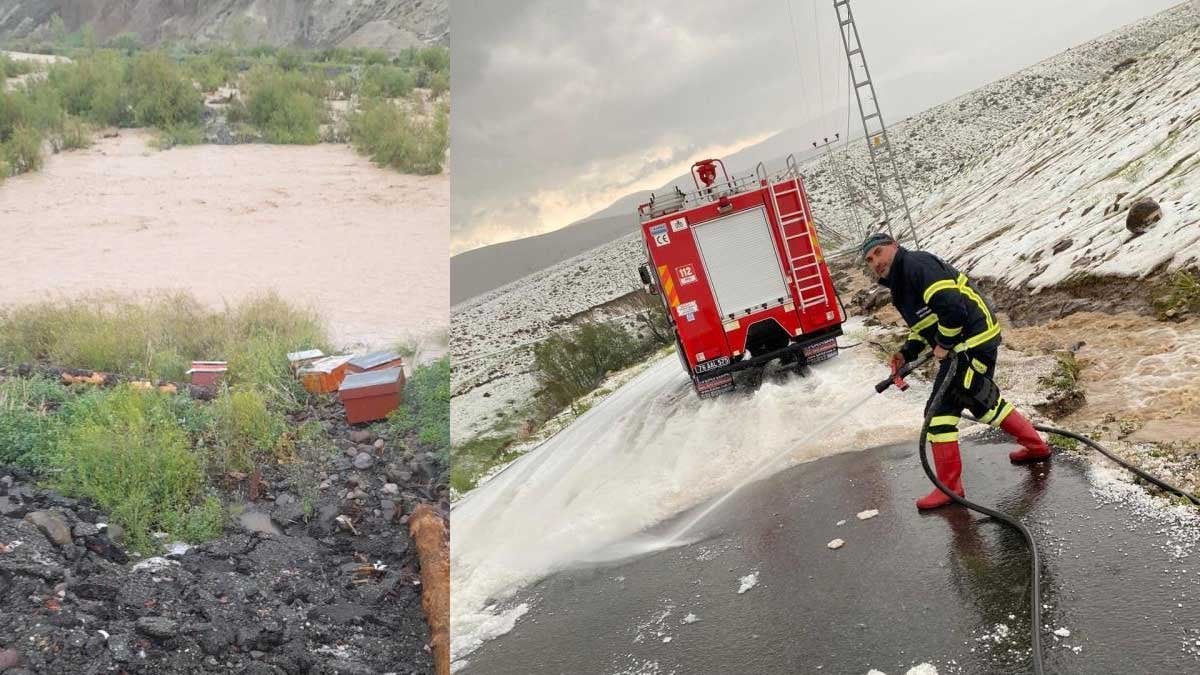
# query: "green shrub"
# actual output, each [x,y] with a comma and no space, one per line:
[391,137]
[26,418]
[23,150]
[386,82]
[439,84]
[569,366]
[94,88]
[160,95]
[124,449]
[286,107]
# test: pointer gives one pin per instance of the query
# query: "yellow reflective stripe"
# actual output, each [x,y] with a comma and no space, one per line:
[943,438]
[948,420]
[991,414]
[1008,408]
[949,332]
[977,340]
[936,286]
[978,365]
[970,293]
[914,333]
[968,379]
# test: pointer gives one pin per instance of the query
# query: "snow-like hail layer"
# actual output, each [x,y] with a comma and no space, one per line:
[1050,203]
[645,453]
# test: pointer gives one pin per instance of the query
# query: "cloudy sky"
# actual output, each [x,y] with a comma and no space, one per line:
[563,106]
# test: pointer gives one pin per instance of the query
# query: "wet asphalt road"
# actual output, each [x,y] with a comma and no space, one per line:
[945,588]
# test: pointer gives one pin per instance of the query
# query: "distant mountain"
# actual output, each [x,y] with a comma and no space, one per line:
[483,269]
[380,24]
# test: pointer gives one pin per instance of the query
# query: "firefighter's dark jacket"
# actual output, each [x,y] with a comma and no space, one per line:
[938,304]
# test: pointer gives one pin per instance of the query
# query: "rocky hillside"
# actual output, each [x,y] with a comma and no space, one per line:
[382,24]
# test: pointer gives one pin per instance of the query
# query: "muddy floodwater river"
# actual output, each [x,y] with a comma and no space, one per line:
[364,246]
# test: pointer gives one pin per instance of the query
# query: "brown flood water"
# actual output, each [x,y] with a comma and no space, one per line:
[366,247]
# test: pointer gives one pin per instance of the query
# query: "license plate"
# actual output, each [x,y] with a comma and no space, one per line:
[821,351]
[712,365]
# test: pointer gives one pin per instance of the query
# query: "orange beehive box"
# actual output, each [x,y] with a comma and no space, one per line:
[371,395]
[324,376]
[206,373]
[375,361]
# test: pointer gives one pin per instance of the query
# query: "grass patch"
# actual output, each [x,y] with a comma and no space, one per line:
[159,335]
[390,136]
[471,460]
[1180,294]
[181,134]
[426,409]
[26,418]
[1064,442]
[76,134]
[247,432]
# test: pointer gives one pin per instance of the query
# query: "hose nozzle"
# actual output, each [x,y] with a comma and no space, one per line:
[898,378]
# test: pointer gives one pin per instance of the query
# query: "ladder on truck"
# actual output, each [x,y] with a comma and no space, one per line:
[888,180]
[795,227]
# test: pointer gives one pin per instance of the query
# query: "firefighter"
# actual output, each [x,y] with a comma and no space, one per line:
[945,313]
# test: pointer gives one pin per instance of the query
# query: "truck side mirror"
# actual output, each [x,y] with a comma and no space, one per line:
[647,278]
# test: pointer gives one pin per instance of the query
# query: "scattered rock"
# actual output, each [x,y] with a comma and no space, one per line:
[364,460]
[390,489]
[869,513]
[1142,214]
[836,544]
[51,525]
[379,444]
[116,533]
[361,436]
[84,530]
[157,627]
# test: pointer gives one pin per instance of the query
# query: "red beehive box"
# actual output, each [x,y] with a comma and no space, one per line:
[206,373]
[324,376]
[375,361]
[371,395]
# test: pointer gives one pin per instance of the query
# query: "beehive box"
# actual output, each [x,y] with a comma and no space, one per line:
[375,361]
[207,373]
[371,395]
[324,376]
[304,358]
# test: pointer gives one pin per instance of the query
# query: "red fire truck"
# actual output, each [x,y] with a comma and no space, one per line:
[741,273]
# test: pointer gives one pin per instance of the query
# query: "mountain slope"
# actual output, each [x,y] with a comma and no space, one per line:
[383,24]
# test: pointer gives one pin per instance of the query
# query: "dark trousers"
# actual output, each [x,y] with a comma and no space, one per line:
[973,389]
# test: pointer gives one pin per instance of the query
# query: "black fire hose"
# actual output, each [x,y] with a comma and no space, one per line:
[1035,607]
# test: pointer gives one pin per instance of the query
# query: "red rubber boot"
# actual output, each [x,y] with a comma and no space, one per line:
[947,463]
[1034,449]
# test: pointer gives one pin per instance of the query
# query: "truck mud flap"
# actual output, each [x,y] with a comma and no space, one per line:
[708,386]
